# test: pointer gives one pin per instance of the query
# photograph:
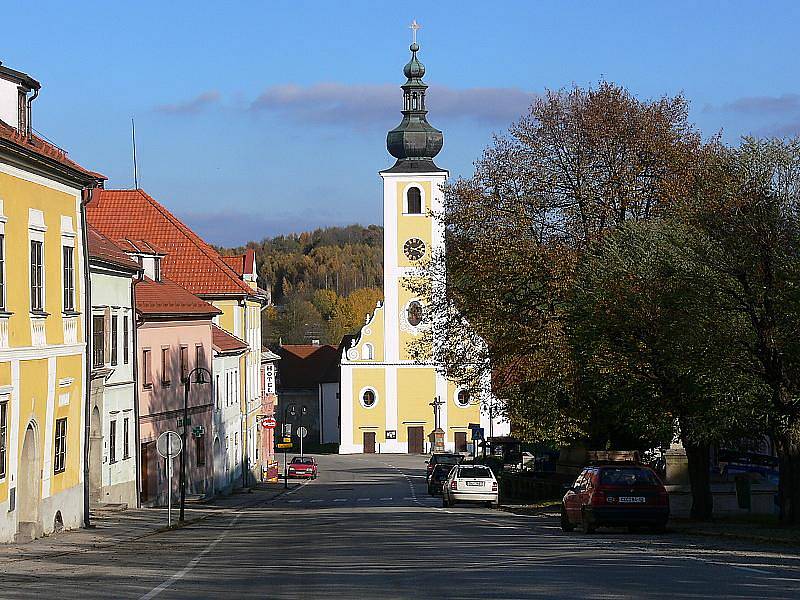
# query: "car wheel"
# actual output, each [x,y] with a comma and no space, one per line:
[494,505]
[565,524]
[588,528]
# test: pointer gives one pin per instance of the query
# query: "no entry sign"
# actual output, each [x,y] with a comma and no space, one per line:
[268,423]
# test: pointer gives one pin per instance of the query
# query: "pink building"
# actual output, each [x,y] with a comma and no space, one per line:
[173,337]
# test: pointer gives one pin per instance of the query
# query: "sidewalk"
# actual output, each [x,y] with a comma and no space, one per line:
[112,527]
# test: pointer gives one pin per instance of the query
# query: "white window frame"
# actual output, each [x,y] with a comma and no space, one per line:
[361,397]
[423,201]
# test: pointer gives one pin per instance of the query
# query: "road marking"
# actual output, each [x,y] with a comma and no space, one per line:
[363,500]
[191,564]
[317,500]
[385,498]
[341,500]
[293,501]
[751,569]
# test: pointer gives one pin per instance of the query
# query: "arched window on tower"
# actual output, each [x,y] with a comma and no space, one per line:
[367,352]
[414,198]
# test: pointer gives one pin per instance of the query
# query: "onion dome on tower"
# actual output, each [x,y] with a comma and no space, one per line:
[414,143]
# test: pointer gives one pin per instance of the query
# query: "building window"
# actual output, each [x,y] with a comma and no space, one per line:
[3,426]
[184,363]
[199,361]
[37,276]
[200,450]
[2,272]
[164,366]
[216,392]
[60,455]
[368,398]
[367,353]
[462,398]
[114,338]
[125,339]
[147,373]
[98,341]
[235,438]
[112,442]
[126,433]
[414,313]
[69,278]
[414,198]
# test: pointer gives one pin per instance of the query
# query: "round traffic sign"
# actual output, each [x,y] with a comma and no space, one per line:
[169,444]
[302,432]
[268,423]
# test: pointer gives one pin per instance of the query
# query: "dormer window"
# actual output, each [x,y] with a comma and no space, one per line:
[22,110]
[157,268]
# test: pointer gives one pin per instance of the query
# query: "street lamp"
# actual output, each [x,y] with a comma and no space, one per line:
[201,371]
[303,411]
[290,408]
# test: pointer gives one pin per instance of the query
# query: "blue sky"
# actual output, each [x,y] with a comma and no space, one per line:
[264,117]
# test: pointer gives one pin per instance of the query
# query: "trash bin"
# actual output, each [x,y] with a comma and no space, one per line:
[743,489]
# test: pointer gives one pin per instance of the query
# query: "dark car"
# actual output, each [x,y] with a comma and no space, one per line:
[303,466]
[615,496]
[442,458]
[437,477]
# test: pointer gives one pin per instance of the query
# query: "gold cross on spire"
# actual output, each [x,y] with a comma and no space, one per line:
[414,27]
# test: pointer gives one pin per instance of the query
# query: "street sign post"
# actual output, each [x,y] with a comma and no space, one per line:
[169,445]
[301,433]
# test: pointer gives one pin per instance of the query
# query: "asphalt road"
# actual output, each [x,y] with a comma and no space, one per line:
[367,529]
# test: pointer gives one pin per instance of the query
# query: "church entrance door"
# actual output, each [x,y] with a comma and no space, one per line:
[461,441]
[369,442]
[416,440]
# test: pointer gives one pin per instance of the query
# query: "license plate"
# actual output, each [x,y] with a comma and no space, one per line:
[480,483]
[632,499]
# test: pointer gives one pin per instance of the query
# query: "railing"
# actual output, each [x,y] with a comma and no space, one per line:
[38,335]
[71,330]
[4,332]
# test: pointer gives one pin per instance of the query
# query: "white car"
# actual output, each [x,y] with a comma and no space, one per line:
[471,483]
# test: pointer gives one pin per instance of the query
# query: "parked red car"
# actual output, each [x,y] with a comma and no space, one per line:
[615,495]
[303,466]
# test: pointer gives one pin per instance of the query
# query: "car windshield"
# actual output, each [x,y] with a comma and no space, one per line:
[445,459]
[442,470]
[481,472]
[302,461]
[627,476]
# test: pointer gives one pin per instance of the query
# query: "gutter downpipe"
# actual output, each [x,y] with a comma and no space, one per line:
[29,125]
[86,194]
[137,433]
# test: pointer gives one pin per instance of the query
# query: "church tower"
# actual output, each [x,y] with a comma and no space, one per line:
[388,402]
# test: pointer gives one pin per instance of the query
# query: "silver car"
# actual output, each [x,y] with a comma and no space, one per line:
[471,483]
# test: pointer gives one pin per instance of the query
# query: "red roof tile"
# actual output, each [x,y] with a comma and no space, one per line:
[226,342]
[102,248]
[190,262]
[235,262]
[307,365]
[167,298]
[39,146]
[139,246]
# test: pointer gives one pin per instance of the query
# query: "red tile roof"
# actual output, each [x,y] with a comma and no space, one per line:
[226,342]
[139,246]
[167,298]
[307,365]
[39,146]
[190,262]
[235,262]
[102,248]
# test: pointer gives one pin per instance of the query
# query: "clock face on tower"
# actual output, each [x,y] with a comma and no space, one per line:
[414,248]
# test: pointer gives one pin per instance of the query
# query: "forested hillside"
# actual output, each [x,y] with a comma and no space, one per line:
[323,282]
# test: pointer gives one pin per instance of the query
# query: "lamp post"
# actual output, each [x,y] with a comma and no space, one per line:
[201,371]
[291,408]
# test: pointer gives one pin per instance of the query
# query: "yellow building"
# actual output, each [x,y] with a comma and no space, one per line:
[42,321]
[389,403]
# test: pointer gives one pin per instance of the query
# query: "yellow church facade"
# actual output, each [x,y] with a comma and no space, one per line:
[388,402]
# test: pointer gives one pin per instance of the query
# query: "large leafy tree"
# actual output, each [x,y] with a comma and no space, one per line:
[747,212]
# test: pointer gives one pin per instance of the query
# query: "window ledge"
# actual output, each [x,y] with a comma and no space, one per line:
[147,386]
[39,314]
[4,314]
[71,313]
